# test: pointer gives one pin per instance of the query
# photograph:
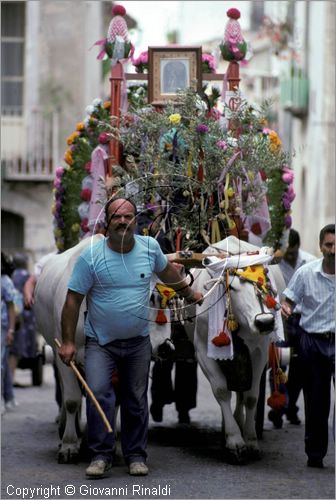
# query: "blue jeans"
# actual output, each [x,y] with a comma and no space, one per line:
[7,392]
[131,358]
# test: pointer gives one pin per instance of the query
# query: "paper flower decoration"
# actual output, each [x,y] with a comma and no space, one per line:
[234,47]
[116,45]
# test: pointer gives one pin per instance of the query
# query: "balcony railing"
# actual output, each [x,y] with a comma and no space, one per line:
[29,150]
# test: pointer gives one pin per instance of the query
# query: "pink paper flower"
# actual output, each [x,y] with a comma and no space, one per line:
[84,225]
[104,138]
[288,221]
[57,182]
[286,203]
[288,177]
[59,171]
[85,194]
[202,128]
[222,145]
[233,13]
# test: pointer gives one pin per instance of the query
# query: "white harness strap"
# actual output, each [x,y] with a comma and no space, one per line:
[216,268]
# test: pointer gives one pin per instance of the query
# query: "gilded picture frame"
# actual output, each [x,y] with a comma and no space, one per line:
[173,68]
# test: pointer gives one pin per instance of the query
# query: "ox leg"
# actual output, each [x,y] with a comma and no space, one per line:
[250,400]
[235,449]
[71,406]
[239,414]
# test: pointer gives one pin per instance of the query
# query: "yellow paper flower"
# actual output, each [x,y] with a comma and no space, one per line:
[68,157]
[175,118]
[230,192]
[275,141]
[75,228]
[107,104]
[60,245]
[80,126]
[58,232]
[250,175]
[72,137]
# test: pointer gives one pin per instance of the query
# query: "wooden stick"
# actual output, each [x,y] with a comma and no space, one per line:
[193,259]
[88,390]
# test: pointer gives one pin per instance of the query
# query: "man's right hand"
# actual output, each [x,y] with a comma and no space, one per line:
[286,309]
[67,352]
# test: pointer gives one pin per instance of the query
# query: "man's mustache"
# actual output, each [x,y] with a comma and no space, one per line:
[122,226]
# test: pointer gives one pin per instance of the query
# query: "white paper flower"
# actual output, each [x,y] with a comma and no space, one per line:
[89,109]
[97,102]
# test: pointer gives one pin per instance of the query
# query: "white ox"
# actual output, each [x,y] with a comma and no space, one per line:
[50,295]
[255,326]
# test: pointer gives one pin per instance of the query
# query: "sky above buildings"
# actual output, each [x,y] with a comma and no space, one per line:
[196,21]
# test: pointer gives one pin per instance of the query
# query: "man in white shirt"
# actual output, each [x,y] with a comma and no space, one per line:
[313,287]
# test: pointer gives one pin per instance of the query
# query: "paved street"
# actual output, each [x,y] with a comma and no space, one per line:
[184,461]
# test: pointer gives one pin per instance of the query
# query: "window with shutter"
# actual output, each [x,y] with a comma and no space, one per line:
[12,57]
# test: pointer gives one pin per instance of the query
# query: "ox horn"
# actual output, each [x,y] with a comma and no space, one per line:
[88,390]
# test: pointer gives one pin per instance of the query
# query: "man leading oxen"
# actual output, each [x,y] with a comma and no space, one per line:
[114,275]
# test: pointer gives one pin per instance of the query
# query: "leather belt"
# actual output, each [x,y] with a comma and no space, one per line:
[324,335]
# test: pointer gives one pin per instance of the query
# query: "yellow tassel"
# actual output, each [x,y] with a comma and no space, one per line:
[213,240]
[227,193]
[215,233]
[281,377]
[232,324]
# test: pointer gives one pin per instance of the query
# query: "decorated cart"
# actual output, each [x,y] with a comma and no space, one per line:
[200,164]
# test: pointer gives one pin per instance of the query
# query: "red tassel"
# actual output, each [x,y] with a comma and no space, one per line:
[221,340]
[256,228]
[270,302]
[178,242]
[200,173]
[277,400]
[161,317]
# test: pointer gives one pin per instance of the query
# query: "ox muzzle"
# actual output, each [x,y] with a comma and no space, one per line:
[265,322]
[166,349]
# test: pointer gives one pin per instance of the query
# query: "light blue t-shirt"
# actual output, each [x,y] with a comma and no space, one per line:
[117,286]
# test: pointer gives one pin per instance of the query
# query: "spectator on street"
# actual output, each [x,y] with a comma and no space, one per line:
[313,287]
[25,342]
[293,258]
[183,390]
[8,319]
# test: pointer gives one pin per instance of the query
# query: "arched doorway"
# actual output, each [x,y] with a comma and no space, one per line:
[12,230]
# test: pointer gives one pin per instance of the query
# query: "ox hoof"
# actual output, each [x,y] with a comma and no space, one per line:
[68,456]
[236,457]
